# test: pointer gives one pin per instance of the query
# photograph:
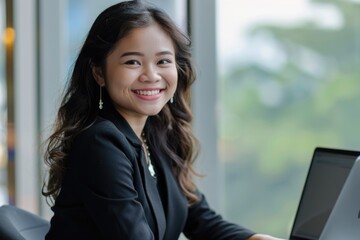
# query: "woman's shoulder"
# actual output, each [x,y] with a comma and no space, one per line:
[102,129]
[102,124]
[101,137]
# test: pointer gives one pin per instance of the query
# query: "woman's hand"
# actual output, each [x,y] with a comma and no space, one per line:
[263,237]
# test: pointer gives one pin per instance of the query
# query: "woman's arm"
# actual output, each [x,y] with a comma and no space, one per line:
[204,223]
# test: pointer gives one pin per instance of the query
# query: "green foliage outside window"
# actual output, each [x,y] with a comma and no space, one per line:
[273,118]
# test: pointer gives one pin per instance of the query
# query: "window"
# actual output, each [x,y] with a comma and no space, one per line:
[288,83]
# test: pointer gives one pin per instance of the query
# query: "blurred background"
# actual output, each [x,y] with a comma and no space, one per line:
[275,79]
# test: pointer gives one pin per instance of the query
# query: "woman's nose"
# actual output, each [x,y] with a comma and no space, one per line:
[150,74]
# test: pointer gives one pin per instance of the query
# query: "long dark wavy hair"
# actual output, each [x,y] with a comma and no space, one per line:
[170,129]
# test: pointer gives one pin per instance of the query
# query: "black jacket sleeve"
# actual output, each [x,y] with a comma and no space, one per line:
[204,223]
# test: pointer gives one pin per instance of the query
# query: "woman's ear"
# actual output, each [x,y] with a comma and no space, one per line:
[98,75]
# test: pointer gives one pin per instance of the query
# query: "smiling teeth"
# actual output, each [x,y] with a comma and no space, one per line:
[148,93]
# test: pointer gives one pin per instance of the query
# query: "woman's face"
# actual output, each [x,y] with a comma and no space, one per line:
[140,74]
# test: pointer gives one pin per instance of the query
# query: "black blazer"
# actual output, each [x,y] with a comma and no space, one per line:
[108,193]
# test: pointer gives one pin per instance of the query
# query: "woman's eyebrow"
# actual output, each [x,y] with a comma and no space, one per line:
[141,54]
[131,54]
[164,53]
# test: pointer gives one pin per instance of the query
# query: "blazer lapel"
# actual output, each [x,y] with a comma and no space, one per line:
[176,208]
[153,198]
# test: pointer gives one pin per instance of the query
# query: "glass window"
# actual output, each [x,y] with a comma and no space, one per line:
[3,117]
[289,82]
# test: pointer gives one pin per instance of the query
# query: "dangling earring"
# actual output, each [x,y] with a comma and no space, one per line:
[171,99]
[100,101]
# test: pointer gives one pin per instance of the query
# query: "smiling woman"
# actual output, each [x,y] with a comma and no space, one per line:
[121,155]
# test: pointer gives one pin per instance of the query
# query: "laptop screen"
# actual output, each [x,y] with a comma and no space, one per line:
[343,222]
[326,176]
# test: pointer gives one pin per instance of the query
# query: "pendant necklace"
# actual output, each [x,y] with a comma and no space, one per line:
[147,157]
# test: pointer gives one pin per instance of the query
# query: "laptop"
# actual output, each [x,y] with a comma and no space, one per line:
[326,176]
[344,220]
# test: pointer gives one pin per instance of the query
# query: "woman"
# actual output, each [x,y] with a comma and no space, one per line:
[122,151]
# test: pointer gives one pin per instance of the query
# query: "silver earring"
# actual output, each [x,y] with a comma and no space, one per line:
[100,101]
[171,99]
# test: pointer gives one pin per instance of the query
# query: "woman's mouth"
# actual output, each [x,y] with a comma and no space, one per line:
[147,92]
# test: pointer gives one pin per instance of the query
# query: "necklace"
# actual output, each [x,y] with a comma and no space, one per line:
[147,157]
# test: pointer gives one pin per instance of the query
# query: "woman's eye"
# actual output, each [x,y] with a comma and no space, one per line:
[132,62]
[164,61]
